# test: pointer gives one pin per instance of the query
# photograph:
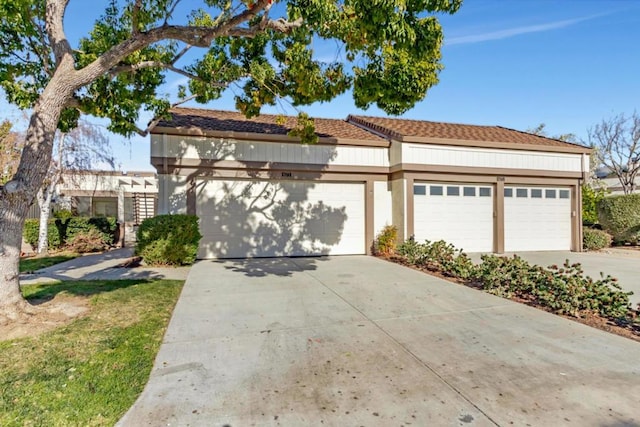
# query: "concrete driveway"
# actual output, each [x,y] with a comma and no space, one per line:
[622,264]
[350,341]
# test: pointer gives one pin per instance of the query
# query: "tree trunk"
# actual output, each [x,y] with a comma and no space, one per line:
[18,194]
[45,195]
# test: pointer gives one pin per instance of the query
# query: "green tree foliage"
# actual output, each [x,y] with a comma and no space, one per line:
[387,51]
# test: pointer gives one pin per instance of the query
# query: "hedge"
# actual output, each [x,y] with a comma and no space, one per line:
[620,216]
[168,240]
[62,231]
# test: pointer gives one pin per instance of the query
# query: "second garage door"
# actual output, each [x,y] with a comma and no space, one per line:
[251,218]
[461,214]
[537,219]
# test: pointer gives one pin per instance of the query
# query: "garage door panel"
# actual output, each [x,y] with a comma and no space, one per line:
[537,224]
[464,221]
[280,218]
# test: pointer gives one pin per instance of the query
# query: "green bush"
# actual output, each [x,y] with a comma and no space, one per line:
[564,290]
[385,243]
[590,198]
[438,256]
[620,216]
[593,240]
[168,240]
[61,231]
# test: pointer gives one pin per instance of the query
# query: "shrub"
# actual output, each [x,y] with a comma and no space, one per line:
[564,290]
[88,241]
[591,196]
[62,231]
[168,240]
[438,256]
[385,243]
[593,240]
[620,216]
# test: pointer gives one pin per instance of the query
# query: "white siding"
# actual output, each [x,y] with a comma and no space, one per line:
[172,194]
[229,149]
[382,205]
[490,158]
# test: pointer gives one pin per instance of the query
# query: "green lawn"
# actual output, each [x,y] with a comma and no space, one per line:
[89,372]
[29,265]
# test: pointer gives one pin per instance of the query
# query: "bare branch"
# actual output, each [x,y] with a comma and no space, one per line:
[170,12]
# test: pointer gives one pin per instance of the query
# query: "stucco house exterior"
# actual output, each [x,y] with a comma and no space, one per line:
[260,193]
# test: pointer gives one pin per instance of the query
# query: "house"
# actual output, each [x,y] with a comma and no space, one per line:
[259,192]
[130,197]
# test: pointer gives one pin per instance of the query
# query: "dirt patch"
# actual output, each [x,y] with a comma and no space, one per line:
[626,329]
[59,311]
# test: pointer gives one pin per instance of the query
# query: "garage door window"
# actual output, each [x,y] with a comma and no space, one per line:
[564,194]
[536,193]
[420,190]
[508,192]
[453,191]
[522,192]
[469,191]
[550,194]
[435,190]
[485,192]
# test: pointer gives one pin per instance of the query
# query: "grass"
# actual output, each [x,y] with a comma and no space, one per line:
[89,372]
[29,265]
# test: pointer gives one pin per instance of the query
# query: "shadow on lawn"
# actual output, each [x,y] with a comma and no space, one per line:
[41,293]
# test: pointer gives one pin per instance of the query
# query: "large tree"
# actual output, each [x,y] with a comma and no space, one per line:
[387,53]
[10,146]
[617,141]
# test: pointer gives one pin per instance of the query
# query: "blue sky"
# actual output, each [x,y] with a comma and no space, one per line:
[565,63]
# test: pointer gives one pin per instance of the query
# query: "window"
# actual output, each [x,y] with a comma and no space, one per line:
[522,192]
[485,192]
[564,194]
[469,191]
[536,193]
[550,194]
[453,191]
[420,190]
[435,190]
[508,192]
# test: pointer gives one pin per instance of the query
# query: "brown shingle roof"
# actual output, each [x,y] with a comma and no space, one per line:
[415,130]
[231,121]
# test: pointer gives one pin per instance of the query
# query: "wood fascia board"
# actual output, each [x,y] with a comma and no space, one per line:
[414,167]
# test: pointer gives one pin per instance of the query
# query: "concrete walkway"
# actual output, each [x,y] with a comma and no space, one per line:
[103,266]
[350,341]
[621,264]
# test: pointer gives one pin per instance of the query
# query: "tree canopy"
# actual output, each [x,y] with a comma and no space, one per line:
[387,52]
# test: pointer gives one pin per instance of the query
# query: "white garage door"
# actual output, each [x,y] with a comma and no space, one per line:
[537,219]
[461,214]
[250,218]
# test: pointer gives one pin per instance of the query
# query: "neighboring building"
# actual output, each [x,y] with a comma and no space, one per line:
[130,197]
[259,192]
[614,187]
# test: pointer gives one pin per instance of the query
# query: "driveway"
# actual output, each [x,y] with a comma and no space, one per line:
[350,341]
[622,264]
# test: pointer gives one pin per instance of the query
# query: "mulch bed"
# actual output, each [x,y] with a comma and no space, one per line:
[627,330]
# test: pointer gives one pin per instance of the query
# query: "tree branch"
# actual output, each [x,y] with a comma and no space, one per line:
[54,23]
[135,14]
[156,120]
